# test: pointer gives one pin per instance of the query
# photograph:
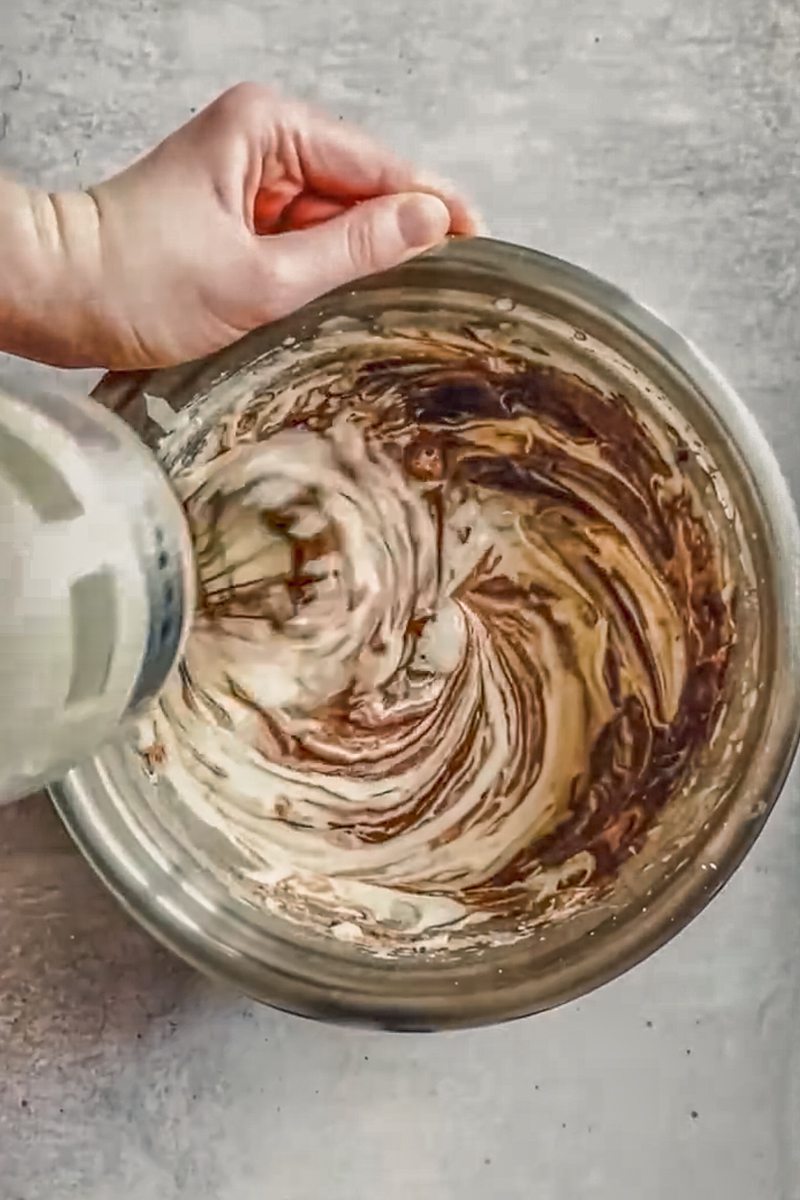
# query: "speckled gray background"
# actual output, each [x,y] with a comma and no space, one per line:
[654,141]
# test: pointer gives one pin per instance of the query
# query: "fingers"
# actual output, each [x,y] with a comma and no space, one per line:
[341,161]
[369,237]
[305,151]
[270,205]
[271,214]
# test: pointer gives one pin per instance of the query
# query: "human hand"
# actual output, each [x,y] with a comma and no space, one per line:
[253,208]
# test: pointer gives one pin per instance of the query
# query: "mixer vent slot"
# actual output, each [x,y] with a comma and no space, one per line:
[37,480]
[94,621]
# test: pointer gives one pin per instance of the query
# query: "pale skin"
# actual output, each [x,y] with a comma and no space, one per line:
[256,206]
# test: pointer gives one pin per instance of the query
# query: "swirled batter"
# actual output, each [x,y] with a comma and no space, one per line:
[463,630]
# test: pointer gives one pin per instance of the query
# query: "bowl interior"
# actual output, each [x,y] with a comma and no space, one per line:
[155,858]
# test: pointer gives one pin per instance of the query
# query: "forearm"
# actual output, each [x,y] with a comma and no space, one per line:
[49,274]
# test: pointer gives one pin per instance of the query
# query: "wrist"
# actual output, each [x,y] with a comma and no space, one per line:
[51,303]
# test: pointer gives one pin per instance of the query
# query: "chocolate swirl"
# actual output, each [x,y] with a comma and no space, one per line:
[463,632]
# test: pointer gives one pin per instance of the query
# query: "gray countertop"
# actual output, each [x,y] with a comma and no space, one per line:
[654,141]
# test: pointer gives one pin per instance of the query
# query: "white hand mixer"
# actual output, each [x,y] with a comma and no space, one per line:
[96,583]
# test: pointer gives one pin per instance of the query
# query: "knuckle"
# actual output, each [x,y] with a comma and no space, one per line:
[276,277]
[244,100]
[360,242]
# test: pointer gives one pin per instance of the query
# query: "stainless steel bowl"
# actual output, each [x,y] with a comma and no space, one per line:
[695,848]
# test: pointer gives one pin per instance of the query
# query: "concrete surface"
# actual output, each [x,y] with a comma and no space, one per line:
[656,142]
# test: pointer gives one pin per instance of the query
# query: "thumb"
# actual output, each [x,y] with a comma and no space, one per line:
[370,237]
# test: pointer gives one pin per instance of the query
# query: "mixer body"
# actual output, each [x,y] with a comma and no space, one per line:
[96,583]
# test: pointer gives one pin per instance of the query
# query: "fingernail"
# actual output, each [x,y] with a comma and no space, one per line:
[423,221]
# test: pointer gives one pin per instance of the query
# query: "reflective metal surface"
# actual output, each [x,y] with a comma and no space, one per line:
[105,803]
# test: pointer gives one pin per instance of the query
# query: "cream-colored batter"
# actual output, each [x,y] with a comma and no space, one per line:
[462,630]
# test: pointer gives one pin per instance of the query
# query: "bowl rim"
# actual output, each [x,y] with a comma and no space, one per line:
[174,924]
